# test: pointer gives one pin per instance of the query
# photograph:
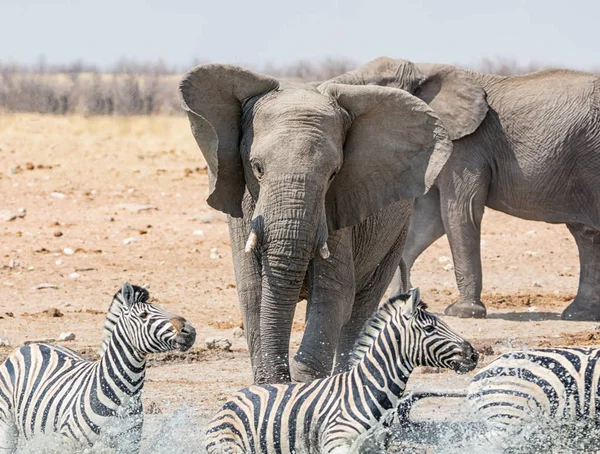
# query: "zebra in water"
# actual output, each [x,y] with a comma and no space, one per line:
[52,389]
[332,414]
[524,387]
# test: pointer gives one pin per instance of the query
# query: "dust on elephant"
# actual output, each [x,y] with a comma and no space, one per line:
[527,145]
[318,183]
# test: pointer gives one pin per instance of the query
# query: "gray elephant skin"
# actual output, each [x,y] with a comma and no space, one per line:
[528,146]
[318,183]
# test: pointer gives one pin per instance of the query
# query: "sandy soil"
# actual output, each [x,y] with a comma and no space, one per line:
[87,185]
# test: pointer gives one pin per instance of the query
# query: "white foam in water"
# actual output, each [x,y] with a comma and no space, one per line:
[180,432]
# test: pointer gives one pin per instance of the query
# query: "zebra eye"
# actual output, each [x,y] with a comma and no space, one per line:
[429,329]
[144,315]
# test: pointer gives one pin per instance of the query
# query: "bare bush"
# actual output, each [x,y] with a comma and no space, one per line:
[134,88]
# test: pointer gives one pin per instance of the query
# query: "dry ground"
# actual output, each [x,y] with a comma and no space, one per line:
[104,168]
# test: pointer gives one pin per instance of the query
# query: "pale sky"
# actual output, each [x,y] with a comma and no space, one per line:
[260,32]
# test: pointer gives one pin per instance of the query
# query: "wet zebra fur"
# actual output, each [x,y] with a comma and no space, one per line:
[331,414]
[52,389]
[523,387]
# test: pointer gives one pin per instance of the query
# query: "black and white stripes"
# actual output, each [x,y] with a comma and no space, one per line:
[524,387]
[328,415]
[49,388]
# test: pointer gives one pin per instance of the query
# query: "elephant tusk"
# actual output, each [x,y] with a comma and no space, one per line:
[251,243]
[324,251]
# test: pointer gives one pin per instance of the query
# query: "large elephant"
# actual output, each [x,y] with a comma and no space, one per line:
[318,184]
[527,145]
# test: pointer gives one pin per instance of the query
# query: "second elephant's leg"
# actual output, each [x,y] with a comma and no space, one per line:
[330,296]
[462,207]
[586,305]
[425,227]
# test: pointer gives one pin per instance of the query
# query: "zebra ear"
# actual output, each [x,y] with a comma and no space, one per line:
[412,303]
[128,295]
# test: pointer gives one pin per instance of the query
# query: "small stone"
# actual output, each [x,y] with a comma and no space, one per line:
[58,195]
[6,215]
[482,243]
[449,267]
[30,268]
[52,312]
[66,336]
[537,284]
[129,240]
[198,232]
[74,275]
[58,262]
[46,286]
[4,342]
[443,259]
[57,233]
[530,253]
[204,218]
[531,233]
[214,254]
[14,263]
[68,251]
[218,343]
[29,166]
[135,207]
[238,333]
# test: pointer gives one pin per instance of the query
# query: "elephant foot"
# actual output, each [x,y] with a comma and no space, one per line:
[302,372]
[582,310]
[461,309]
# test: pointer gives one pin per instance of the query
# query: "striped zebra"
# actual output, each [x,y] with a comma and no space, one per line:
[52,389]
[525,387]
[331,415]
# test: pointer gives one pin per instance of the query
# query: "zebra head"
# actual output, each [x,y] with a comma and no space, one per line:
[427,340]
[151,329]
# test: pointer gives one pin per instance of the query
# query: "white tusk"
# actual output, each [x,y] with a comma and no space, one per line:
[251,243]
[324,251]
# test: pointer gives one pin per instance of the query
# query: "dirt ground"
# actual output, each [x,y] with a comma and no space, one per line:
[105,200]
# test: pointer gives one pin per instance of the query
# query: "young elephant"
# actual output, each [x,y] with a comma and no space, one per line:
[319,183]
[50,388]
[333,415]
[527,145]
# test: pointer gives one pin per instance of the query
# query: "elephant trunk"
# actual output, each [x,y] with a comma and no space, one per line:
[290,234]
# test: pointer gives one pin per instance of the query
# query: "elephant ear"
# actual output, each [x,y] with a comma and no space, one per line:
[458,99]
[212,95]
[394,149]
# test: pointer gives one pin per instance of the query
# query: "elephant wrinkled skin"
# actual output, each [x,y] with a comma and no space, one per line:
[318,183]
[527,145]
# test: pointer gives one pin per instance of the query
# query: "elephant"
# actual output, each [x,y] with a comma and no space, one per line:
[527,145]
[318,184]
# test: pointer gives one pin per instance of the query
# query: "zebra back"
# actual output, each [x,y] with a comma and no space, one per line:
[521,387]
[140,294]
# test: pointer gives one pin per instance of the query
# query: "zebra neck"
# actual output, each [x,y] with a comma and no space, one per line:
[122,368]
[381,376]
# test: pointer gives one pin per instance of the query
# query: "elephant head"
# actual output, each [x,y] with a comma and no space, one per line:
[313,160]
[457,98]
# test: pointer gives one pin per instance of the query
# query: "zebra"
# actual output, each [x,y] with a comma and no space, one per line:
[528,387]
[52,389]
[332,415]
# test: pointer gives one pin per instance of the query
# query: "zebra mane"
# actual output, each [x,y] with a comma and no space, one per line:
[377,322]
[140,295]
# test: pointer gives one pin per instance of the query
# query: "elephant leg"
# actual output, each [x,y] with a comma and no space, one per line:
[365,303]
[462,207]
[330,295]
[248,278]
[426,226]
[586,305]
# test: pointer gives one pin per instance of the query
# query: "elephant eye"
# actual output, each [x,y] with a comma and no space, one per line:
[332,176]
[258,169]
